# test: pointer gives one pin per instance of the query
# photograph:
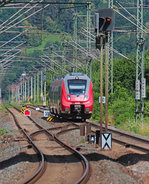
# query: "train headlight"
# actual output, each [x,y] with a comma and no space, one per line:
[85,97]
[68,97]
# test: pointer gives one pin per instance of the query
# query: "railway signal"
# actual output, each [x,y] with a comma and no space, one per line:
[27,112]
[104,20]
[104,23]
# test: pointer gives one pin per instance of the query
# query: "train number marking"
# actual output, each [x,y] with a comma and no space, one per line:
[46,113]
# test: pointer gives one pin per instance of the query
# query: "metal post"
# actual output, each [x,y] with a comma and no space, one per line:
[89,64]
[142,77]
[101,80]
[110,40]
[106,85]
[44,96]
[34,88]
[44,102]
[89,30]
[9,94]
[0,93]
[41,94]
[37,87]
[31,88]
[28,87]
[75,39]
[87,39]
[139,62]
[15,93]
[12,95]
[25,91]
[19,93]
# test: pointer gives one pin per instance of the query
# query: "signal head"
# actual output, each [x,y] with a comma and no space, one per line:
[108,19]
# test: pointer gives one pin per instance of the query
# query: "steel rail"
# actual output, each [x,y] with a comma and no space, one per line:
[85,175]
[42,162]
[126,135]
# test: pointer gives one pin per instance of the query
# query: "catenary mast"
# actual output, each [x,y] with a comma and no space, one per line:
[140,80]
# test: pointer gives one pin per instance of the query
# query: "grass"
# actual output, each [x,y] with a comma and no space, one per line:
[2,131]
[45,39]
[82,141]
[138,128]
[131,126]
[2,107]
[144,129]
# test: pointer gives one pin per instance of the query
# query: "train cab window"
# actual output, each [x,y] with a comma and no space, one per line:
[77,86]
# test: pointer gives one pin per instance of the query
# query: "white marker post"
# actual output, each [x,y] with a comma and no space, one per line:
[106,141]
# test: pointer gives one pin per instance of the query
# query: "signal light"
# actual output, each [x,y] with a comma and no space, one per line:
[104,20]
[27,112]
[108,19]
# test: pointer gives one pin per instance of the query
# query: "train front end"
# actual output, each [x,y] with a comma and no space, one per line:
[77,96]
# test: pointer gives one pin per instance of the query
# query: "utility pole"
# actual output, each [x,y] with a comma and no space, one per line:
[140,80]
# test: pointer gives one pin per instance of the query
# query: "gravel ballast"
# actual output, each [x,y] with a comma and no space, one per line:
[117,166]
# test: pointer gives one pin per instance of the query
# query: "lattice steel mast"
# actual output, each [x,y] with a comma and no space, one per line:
[140,64]
[88,45]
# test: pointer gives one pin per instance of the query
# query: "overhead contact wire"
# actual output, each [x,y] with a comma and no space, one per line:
[14,15]
[24,19]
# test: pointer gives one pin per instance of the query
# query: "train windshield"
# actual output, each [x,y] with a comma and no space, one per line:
[77,86]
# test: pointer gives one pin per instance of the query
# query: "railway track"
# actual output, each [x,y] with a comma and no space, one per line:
[127,139]
[39,172]
[32,138]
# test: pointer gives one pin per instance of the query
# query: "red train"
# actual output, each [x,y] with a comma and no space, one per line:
[71,96]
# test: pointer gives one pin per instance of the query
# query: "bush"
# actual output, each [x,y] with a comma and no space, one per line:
[121,105]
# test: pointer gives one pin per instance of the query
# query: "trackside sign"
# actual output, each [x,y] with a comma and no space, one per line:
[27,113]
